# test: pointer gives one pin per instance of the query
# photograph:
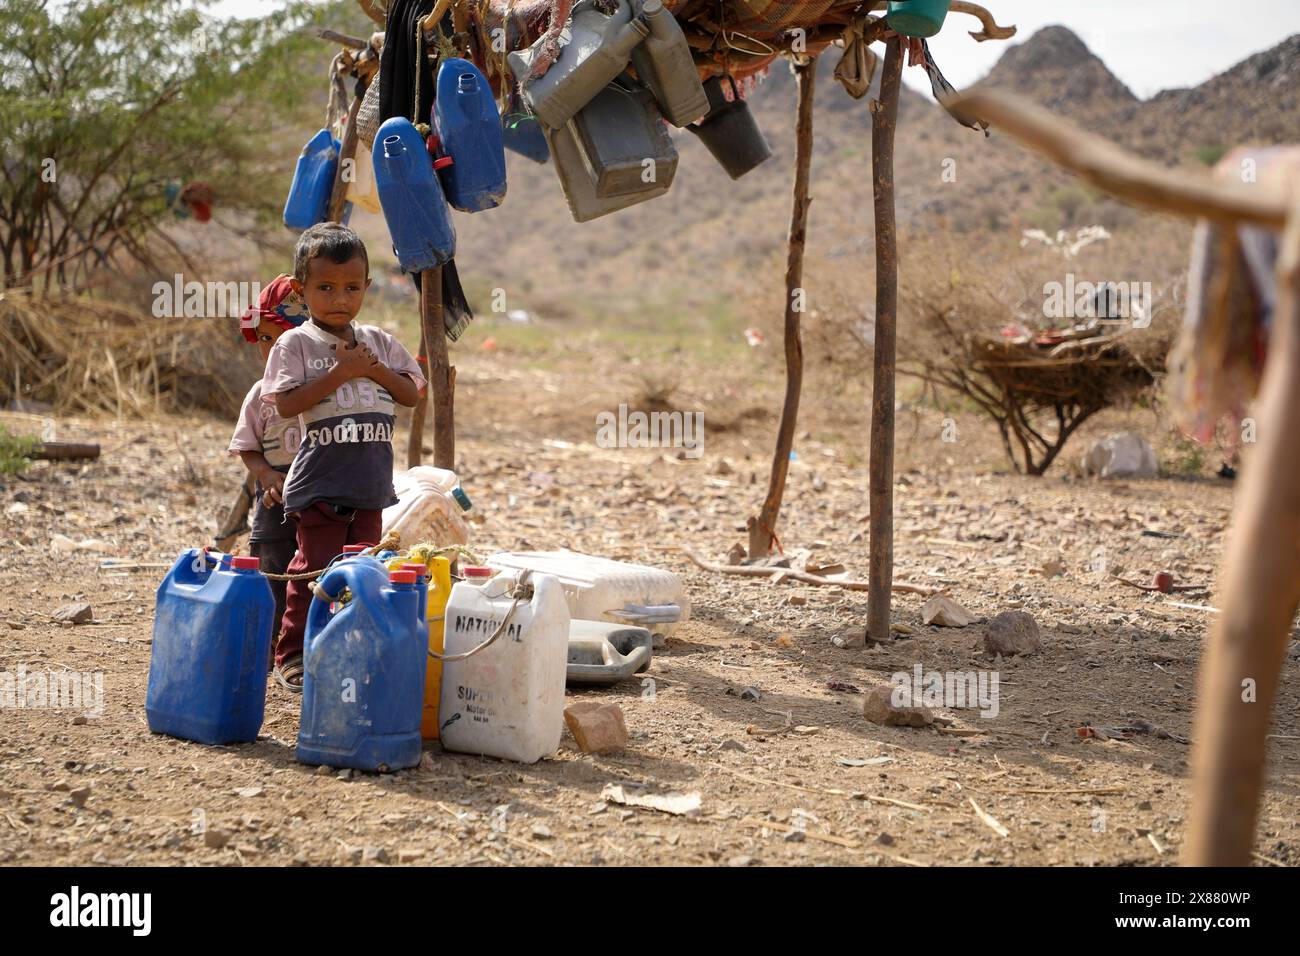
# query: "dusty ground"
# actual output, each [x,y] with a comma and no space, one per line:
[1111,654]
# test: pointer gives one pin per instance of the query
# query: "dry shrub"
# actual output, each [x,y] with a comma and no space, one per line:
[80,355]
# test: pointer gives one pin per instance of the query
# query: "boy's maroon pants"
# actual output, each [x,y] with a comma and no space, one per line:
[321,536]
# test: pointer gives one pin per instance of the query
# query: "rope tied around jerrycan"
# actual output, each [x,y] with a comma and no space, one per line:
[522,591]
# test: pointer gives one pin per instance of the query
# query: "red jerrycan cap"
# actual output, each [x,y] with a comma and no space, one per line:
[419,570]
[354,548]
[245,563]
[442,162]
[477,571]
[401,577]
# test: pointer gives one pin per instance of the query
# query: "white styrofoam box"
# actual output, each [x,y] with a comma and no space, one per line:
[601,589]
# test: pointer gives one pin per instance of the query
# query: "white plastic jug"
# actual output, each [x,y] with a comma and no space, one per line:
[507,700]
[430,507]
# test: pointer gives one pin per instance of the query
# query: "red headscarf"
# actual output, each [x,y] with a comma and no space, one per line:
[278,303]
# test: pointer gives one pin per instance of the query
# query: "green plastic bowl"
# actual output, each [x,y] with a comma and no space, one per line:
[917,18]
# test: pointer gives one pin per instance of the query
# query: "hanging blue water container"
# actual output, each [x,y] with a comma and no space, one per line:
[313,181]
[211,641]
[419,221]
[523,135]
[363,686]
[469,129]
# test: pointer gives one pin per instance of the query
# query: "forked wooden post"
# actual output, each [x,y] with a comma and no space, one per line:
[762,529]
[442,380]
[881,495]
[1259,594]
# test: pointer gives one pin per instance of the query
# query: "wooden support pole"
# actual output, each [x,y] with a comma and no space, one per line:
[762,530]
[442,380]
[1258,598]
[338,195]
[881,560]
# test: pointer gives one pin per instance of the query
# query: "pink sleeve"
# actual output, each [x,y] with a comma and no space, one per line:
[248,431]
[284,369]
[400,360]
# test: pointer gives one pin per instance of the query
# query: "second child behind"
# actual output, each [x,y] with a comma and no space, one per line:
[341,380]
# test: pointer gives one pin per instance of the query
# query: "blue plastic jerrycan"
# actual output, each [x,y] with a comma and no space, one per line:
[313,181]
[523,135]
[469,128]
[211,641]
[363,687]
[419,221]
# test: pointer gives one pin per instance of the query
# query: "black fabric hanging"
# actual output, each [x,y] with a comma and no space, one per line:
[399,66]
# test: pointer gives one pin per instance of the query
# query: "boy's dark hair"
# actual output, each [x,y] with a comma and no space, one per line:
[336,242]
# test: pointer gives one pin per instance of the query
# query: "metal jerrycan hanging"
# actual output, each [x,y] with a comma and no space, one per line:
[469,129]
[363,680]
[594,50]
[664,63]
[415,208]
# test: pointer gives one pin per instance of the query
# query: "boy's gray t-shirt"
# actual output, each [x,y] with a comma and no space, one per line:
[346,452]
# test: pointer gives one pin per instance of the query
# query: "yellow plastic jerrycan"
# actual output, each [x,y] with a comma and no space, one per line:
[439,591]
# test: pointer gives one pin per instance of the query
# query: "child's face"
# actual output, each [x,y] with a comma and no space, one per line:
[267,333]
[334,291]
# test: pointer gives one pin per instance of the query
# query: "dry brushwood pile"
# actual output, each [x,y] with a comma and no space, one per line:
[1066,377]
[75,355]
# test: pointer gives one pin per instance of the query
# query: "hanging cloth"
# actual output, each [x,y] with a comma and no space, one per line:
[406,88]
[943,90]
[857,66]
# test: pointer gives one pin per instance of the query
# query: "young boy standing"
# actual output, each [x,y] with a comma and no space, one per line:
[266,442]
[341,382]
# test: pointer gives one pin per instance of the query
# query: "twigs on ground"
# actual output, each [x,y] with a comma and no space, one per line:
[793,575]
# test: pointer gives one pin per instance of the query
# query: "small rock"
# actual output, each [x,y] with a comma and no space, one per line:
[60,786]
[79,720]
[1144,805]
[249,791]
[374,854]
[409,855]
[596,727]
[62,544]
[878,707]
[344,774]
[1123,455]
[945,612]
[541,831]
[75,614]
[796,600]
[16,508]
[885,840]
[1012,632]
[794,836]
[324,771]
[737,554]
[80,796]
[731,745]
[751,693]
[215,839]
[740,861]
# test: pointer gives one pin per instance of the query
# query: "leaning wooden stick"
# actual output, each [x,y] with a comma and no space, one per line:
[762,530]
[788,574]
[1119,172]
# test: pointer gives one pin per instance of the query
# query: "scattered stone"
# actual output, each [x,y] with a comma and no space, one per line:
[62,544]
[409,855]
[731,745]
[344,774]
[878,707]
[426,763]
[60,786]
[737,554]
[740,861]
[796,600]
[75,614]
[885,840]
[79,720]
[324,771]
[794,836]
[16,508]
[1144,805]
[945,612]
[79,796]
[1122,455]
[1012,632]
[541,831]
[597,727]
[215,839]
[374,854]
[751,693]
[249,791]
